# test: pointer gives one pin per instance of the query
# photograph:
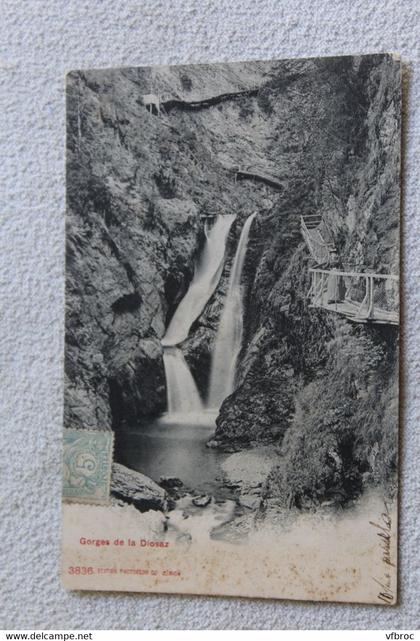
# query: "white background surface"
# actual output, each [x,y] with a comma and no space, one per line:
[41,40]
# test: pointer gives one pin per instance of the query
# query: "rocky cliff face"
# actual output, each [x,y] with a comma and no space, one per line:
[320,388]
[132,240]
[325,134]
[138,184]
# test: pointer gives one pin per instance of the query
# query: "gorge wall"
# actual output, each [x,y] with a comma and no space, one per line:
[137,187]
[138,184]
[325,390]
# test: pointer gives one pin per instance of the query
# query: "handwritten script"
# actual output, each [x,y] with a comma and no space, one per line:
[384,532]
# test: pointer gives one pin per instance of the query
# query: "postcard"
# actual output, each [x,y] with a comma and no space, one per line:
[232,323]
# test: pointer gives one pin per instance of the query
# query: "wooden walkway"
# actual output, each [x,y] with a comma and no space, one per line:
[360,297]
[157,103]
[250,174]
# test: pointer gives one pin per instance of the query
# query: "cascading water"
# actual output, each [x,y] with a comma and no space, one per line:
[182,393]
[183,396]
[229,335]
[203,284]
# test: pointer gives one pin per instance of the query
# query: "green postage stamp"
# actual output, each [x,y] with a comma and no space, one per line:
[87,461]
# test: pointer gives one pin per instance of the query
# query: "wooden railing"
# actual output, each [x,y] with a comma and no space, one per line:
[362,297]
[259,176]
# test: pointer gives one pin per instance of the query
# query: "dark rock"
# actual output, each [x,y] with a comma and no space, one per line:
[202,501]
[170,482]
[135,488]
[174,487]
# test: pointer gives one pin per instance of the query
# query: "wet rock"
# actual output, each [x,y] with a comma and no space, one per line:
[137,489]
[170,482]
[202,501]
[128,400]
[175,489]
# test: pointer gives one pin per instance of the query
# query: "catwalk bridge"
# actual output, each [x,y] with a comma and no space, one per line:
[158,104]
[360,297]
[249,173]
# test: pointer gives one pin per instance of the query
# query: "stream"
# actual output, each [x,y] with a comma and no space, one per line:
[175,446]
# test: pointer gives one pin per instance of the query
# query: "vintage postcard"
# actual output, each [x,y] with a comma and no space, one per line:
[232,319]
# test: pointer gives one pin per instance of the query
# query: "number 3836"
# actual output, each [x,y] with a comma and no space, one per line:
[80,569]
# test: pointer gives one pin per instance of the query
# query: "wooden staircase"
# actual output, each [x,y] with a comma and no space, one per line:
[318,238]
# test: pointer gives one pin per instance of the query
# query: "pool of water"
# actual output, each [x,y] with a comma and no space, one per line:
[175,446]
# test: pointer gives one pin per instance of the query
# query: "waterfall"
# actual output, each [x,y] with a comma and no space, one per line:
[182,393]
[183,396]
[229,335]
[205,280]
